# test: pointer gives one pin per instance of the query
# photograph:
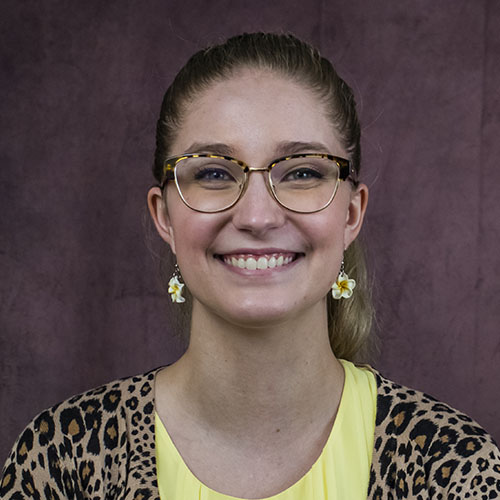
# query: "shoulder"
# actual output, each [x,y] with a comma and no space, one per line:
[70,444]
[422,444]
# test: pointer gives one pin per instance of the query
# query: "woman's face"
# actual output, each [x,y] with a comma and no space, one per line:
[257,116]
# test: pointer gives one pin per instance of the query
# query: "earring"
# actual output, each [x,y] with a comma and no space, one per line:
[344,286]
[175,286]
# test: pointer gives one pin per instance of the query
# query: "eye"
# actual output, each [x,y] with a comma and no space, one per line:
[302,174]
[213,174]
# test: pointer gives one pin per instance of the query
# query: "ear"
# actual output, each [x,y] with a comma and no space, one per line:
[158,210]
[355,213]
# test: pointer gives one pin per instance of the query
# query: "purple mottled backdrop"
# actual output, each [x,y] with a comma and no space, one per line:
[81,86]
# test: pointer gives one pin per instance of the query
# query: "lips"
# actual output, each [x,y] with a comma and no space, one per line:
[254,262]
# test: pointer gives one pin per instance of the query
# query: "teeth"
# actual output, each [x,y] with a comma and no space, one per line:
[262,262]
[251,264]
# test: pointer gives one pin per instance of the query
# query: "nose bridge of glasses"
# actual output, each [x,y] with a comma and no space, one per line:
[267,180]
[256,169]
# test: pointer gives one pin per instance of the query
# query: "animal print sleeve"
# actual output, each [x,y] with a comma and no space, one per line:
[75,450]
[426,449]
[34,468]
[472,471]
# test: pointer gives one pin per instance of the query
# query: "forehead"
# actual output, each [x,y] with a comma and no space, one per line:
[253,112]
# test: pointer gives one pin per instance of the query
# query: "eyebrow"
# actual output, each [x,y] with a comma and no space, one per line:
[283,148]
[217,148]
[291,147]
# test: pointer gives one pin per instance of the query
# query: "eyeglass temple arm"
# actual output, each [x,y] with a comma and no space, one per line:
[346,171]
[168,173]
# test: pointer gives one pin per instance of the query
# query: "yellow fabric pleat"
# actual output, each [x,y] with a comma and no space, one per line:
[341,471]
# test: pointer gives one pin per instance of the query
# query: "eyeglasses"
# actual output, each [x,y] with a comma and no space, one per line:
[303,183]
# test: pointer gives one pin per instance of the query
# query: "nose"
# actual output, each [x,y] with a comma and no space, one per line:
[257,211]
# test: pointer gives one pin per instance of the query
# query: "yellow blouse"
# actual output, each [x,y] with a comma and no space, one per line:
[341,471]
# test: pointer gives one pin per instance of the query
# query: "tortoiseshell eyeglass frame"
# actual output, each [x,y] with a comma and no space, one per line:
[346,171]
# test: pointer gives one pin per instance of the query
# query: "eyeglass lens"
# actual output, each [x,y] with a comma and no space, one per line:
[300,184]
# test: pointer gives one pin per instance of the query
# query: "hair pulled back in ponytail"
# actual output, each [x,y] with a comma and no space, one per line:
[349,320]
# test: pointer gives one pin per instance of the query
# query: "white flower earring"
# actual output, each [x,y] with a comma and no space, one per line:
[175,286]
[344,286]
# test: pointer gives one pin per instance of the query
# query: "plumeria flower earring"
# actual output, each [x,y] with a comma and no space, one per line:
[175,286]
[344,286]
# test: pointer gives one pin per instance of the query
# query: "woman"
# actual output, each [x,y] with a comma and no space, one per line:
[258,197]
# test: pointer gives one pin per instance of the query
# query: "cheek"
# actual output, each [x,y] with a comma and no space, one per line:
[326,229]
[186,228]
[330,247]
[190,235]
[193,234]
[191,243]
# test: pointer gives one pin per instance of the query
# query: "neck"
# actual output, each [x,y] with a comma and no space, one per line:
[251,381]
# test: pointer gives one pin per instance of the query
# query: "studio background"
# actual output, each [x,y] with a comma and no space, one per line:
[82,84]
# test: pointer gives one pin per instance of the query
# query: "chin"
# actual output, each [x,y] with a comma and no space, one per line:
[258,315]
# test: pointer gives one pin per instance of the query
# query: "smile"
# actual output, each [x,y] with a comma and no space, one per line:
[261,262]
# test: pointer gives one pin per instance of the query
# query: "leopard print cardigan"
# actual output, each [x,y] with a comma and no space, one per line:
[100,445]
